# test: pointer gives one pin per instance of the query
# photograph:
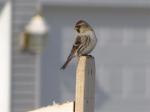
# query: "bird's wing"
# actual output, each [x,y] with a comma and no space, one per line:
[73,51]
[77,48]
[76,44]
[79,45]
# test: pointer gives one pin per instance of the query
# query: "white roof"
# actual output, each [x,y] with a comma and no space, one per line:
[111,3]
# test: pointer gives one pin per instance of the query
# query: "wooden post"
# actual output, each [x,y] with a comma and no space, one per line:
[85,84]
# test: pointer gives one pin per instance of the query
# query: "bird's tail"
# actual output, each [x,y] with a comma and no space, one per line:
[67,62]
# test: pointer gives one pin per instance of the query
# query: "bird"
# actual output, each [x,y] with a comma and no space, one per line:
[85,41]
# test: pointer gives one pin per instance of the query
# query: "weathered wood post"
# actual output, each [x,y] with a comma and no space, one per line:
[85,84]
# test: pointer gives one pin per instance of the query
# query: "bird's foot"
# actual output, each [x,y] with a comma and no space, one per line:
[87,55]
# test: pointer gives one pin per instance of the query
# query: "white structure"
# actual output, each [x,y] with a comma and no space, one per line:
[5,56]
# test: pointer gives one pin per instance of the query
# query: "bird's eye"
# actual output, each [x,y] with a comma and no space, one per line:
[77,26]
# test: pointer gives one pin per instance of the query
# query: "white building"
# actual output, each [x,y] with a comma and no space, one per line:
[122,54]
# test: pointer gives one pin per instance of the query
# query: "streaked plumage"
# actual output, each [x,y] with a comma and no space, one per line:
[85,41]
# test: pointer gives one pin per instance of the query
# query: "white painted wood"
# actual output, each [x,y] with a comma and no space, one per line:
[5,56]
[23,64]
[38,81]
[85,85]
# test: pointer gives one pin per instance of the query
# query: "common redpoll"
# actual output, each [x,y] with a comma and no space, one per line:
[85,41]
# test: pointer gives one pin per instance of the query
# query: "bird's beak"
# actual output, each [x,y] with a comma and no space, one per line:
[76,27]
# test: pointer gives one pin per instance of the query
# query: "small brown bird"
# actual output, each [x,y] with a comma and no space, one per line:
[85,41]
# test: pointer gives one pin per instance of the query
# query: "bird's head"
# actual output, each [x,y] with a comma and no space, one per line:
[82,26]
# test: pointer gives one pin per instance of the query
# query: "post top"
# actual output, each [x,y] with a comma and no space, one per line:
[86,57]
